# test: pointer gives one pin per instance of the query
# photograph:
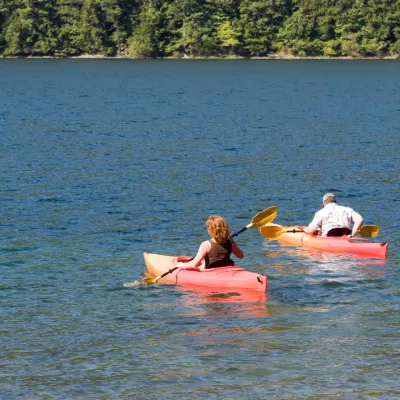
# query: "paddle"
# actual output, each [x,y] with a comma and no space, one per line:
[369,230]
[262,218]
[157,278]
[275,231]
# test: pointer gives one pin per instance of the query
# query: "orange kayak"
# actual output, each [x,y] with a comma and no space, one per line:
[342,244]
[224,277]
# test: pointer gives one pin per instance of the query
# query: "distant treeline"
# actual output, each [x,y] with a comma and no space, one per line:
[200,28]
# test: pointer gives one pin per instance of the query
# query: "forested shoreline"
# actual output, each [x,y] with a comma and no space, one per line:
[200,28]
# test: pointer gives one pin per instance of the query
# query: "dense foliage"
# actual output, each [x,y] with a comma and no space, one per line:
[160,28]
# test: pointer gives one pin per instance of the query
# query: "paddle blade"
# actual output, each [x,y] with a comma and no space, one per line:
[149,277]
[369,230]
[264,217]
[151,280]
[271,231]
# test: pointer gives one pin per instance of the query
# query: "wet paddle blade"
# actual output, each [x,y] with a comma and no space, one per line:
[157,278]
[149,280]
[369,230]
[149,277]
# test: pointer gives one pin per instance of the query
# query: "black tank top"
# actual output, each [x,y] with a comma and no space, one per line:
[219,255]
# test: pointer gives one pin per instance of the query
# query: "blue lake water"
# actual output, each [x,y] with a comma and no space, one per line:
[102,160]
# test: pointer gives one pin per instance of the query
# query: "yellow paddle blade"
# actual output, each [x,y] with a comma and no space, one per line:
[151,280]
[149,277]
[157,278]
[264,217]
[272,231]
[369,230]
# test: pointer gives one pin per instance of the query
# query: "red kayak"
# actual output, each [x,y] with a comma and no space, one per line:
[361,247]
[224,277]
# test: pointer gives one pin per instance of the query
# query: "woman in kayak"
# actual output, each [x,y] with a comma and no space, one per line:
[215,252]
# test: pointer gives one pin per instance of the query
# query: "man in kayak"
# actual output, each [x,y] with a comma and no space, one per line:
[335,220]
[215,252]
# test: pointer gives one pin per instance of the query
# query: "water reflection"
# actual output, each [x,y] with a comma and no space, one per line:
[314,262]
[204,294]
[201,300]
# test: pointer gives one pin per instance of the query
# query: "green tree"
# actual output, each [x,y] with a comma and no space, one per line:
[92,28]
[113,13]
[395,49]
[260,22]
[382,22]
[200,27]
[220,13]
[69,33]
[31,28]
[3,17]
[186,20]
[228,35]
[145,39]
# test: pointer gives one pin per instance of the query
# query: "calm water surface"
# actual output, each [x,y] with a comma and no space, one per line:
[102,160]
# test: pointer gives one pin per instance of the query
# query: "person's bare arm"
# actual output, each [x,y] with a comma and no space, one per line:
[204,249]
[236,250]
